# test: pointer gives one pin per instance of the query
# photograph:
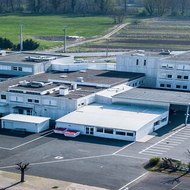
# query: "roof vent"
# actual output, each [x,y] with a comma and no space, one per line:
[80,79]
[63,76]
[165,52]
[63,91]
[24,83]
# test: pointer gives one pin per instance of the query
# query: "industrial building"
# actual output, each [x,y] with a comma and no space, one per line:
[25,63]
[114,121]
[25,123]
[165,70]
[56,94]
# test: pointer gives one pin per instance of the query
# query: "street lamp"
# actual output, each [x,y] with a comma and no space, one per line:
[187,114]
[65,39]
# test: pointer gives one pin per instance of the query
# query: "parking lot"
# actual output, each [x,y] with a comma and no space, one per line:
[161,181]
[105,163]
[86,160]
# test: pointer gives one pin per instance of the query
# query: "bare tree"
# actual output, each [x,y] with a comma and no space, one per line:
[22,167]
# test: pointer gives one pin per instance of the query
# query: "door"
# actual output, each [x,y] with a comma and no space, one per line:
[89,130]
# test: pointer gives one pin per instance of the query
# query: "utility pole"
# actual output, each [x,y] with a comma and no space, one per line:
[65,39]
[21,38]
[107,47]
[187,115]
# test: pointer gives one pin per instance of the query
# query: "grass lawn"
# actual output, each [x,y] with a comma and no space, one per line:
[52,26]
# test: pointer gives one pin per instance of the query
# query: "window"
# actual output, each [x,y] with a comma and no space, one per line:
[144,62]
[168,85]
[186,77]
[130,134]
[169,76]
[36,101]
[137,62]
[120,133]
[99,130]
[157,123]
[109,131]
[184,87]
[20,68]
[29,100]
[179,76]
[14,68]
[162,85]
[3,97]
[163,120]
[178,86]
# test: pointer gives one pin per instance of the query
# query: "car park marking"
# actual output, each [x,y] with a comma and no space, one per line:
[125,187]
[123,148]
[140,158]
[23,144]
[167,143]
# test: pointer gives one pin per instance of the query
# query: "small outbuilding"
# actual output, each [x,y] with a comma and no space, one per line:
[27,123]
[122,122]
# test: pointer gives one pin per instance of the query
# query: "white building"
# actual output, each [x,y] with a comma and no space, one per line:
[122,122]
[22,64]
[57,94]
[162,70]
[25,123]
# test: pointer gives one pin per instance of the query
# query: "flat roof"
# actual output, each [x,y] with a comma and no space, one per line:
[25,118]
[174,55]
[104,79]
[183,56]
[156,95]
[20,57]
[121,117]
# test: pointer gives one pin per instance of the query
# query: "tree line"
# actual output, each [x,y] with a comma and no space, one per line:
[60,6]
[114,7]
[166,7]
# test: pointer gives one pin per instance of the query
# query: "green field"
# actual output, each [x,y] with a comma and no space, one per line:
[151,34]
[52,26]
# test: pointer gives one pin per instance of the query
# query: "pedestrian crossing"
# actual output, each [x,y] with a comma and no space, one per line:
[168,143]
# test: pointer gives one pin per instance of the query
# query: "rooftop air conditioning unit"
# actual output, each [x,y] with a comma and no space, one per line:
[63,91]
[80,79]
[24,83]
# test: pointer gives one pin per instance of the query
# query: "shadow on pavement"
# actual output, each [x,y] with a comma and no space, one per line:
[10,186]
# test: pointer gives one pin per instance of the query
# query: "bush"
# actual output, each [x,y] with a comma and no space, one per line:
[6,44]
[28,45]
[154,161]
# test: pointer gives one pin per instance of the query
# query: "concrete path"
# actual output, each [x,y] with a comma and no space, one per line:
[10,181]
[114,30]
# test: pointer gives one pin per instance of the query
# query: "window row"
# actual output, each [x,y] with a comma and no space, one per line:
[170,76]
[176,86]
[111,131]
[33,101]
[160,121]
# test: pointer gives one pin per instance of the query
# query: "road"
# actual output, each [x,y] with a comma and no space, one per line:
[115,29]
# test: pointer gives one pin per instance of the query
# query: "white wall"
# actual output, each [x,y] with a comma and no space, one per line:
[82,130]
[128,63]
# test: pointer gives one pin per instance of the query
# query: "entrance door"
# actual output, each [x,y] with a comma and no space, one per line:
[89,130]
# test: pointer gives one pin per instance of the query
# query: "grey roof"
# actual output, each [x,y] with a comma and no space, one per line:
[156,95]
[109,78]
[20,57]
[185,56]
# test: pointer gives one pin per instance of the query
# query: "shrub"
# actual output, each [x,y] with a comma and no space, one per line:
[154,161]
[6,43]
[28,45]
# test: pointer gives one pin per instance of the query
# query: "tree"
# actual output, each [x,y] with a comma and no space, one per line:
[22,167]
[55,4]
[28,45]
[6,43]
[149,5]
